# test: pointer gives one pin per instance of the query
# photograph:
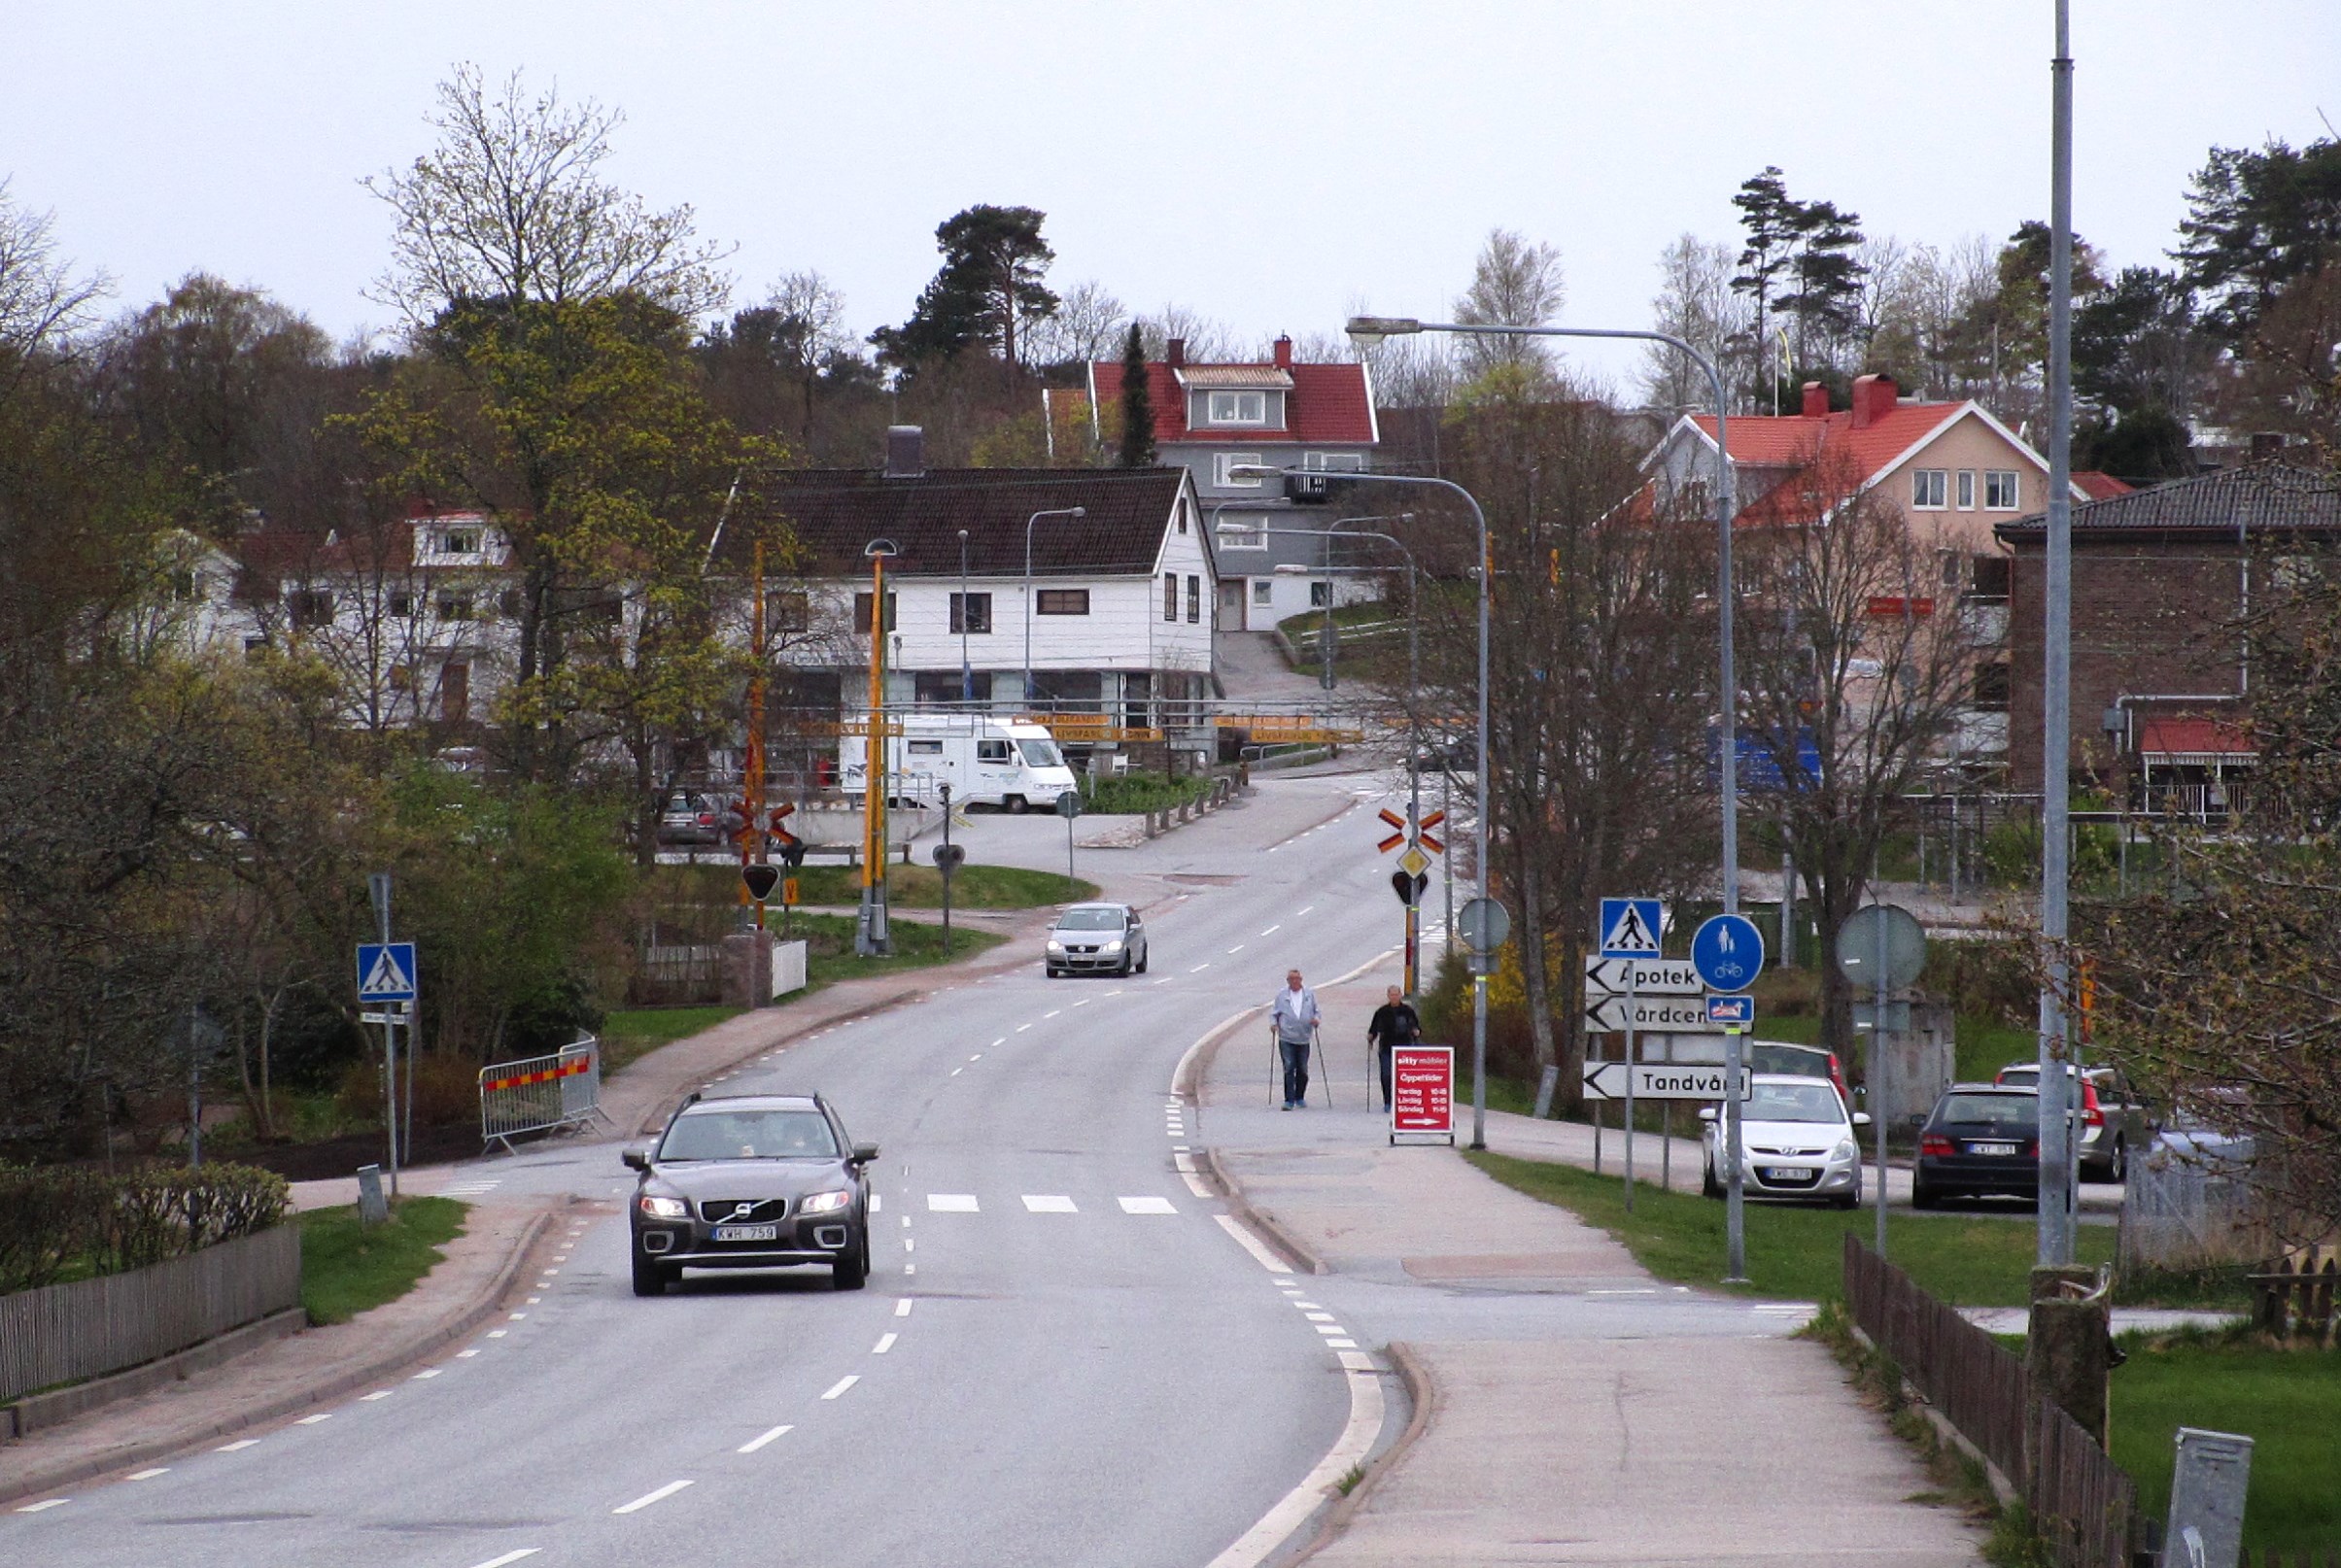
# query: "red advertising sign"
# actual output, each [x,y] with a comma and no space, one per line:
[1421,1092]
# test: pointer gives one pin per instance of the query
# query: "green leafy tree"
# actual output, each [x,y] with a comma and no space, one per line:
[1137,404]
[2256,221]
[988,289]
[2137,344]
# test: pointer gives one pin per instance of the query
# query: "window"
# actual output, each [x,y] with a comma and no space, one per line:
[460,543]
[1333,462]
[1236,408]
[1263,591]
[1170,597]
[790,611]
[1061,601]
[454,606]
[971,614]
[1991,686]
[861,614]
[1194,599]
[995,752]
[401,606]
[1241,533]
[1183,516]
[2001,492]
[1990,580]
[1967,490]
[926,748]
[402,677]
[309,608]
[1321,596]
[1223,462]
[1929,486]
[185,586]
[507,603]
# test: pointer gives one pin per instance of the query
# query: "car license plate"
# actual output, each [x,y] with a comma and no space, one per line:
[1992,1149]
[747,1233]
[1787,1172]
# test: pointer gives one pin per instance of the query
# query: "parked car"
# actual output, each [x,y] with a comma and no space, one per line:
[1980,1139]
[690,819]
[2116,1120]
[750,1181]
[1796,1140]
[1096,938]
[1797,1060]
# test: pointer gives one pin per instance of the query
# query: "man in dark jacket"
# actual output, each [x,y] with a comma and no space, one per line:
[1395,1023]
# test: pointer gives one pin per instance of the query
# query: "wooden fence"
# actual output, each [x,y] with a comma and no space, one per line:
[2080,1501]
[89,1328]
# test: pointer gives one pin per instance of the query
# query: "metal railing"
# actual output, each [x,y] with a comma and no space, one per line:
[540,1094]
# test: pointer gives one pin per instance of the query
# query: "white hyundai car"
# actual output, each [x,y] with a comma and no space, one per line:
[1796,1140]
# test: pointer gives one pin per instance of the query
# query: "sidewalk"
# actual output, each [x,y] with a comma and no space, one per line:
[281,1379]
[1580,1412]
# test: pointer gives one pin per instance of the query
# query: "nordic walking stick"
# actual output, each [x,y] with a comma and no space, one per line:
[1317,1039]
[1276,1064]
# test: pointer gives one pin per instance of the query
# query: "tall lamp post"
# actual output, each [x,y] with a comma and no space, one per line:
[871,939]
[1053,511]
[967,670]
[1479,958]
[1368,331]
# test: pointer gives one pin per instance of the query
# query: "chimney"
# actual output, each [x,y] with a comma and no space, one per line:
[1873,399]
[2266,443]
[1817,400]
[1283,353]
[1174,353]
[906,452]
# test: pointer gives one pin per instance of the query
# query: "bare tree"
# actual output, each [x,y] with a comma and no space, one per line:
[42,298]
[1697,303]
[1206,337]
[510,205]
[1513,283]
[1089,325]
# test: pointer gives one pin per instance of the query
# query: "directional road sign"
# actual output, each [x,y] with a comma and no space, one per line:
[1683,1015]
[1629,928]
[386,972]
[1732,1013]
[1658,1080]
[1728,952]
[1652,976]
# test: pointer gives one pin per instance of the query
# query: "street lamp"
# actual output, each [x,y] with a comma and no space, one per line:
[1053,511]
[1368,331]
[1479,979]
[967,673]
[871,939]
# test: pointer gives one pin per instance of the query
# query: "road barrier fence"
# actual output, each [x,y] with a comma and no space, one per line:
[540,1094]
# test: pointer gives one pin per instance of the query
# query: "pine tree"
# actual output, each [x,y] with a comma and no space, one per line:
[1137,405]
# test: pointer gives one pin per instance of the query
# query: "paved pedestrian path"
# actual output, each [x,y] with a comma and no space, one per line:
[1581,1412]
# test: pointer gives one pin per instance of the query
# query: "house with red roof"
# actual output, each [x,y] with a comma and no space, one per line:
[1218,420]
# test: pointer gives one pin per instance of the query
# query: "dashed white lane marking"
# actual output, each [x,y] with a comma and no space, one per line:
[148,1475]
[498,1333]
[1200,968]
[312,1421]
[1304,910]
[909,1246]
[977,1057]
[1002,1040]
[952,1203]
[877,1200]
[515,1316]
[1273,930]
[1020,1028]
[906,1222]
[909,1268]
[45,1504]
[1250,1242]
[902,1307]
[762,1438]
[379,1393]
[238,1446]
[510,1557]
[428,1372]
[842,1385]
[1237,948]
[885,1343]
[1048,1203]
[534,1301]
[1046,1016]
[1146,1206]
[956,1072]
[466,1355]
[648,1498]
[1166,980]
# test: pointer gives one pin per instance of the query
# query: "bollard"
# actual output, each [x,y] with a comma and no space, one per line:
[2067,1341]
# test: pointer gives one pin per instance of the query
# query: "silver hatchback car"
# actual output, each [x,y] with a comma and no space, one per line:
[1096,938]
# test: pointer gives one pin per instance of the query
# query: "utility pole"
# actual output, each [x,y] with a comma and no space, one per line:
[751,791]
[872,938]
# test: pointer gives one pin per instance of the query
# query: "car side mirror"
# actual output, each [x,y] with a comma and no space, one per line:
[1706,1113]
[635,1156]
[1861,1118]
[864,1153]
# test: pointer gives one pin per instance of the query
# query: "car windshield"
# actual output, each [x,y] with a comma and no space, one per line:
[1041,754]
[750,1134]
[2010,1111]
[1793,1102]
[1089,920]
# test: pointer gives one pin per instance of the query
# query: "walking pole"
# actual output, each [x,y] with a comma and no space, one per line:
[1276,1065]
[1317,1039]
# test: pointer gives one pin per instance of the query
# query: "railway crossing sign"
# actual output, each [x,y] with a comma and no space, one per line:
[1629,928]
[760,880]
[386,972]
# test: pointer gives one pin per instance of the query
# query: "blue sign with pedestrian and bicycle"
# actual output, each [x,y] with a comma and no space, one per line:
[1728,952]
[386,972]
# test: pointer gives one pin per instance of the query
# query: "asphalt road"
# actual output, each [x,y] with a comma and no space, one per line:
[1063,1357]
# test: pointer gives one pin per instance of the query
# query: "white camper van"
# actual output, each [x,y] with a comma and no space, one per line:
[987,761]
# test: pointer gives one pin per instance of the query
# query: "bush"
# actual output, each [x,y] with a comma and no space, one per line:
[61,1222]
[1991,981]
[1137,792]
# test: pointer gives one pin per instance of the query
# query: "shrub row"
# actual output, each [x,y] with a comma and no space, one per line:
[70,1221]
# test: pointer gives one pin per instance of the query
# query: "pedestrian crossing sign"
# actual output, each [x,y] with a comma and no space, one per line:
[1629,928]
[386,972]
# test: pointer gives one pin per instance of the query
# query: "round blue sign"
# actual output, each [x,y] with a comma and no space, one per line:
[1728,952]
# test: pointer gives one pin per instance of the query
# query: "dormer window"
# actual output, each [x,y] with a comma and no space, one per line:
[1237,408]
[460,543]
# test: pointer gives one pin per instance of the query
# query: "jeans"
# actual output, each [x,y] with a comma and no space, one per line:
[1388,1046]
[1296,1053]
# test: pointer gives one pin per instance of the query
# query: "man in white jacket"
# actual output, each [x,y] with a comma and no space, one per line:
[1294,1018]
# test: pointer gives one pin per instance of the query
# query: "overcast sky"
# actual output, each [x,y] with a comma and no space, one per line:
[1271,165]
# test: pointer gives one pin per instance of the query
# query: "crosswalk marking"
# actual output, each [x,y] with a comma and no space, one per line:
[1048,1203]
[952,1203]
[1146,1206]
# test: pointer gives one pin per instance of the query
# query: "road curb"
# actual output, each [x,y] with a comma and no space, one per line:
[1423,1401]
[1261,1220]
[663,1110]
[483,1304]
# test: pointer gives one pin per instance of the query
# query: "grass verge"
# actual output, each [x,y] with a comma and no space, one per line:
[633,1033]
[829,955]
[1793,1251]
[346,1269]
[2286,1401]
[920,887]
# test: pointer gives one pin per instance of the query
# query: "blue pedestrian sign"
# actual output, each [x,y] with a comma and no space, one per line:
[1733,1012]
[1728,952]
[386,972]
[1629,928]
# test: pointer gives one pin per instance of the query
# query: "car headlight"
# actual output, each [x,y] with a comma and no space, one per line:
[1055,947]
[824,1203]
[658,1208]
[1846,1150]
[1114,946]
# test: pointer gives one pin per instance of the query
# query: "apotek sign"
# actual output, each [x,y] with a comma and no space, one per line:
[1422,1093]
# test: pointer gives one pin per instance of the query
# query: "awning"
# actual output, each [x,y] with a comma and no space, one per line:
[2195,742]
